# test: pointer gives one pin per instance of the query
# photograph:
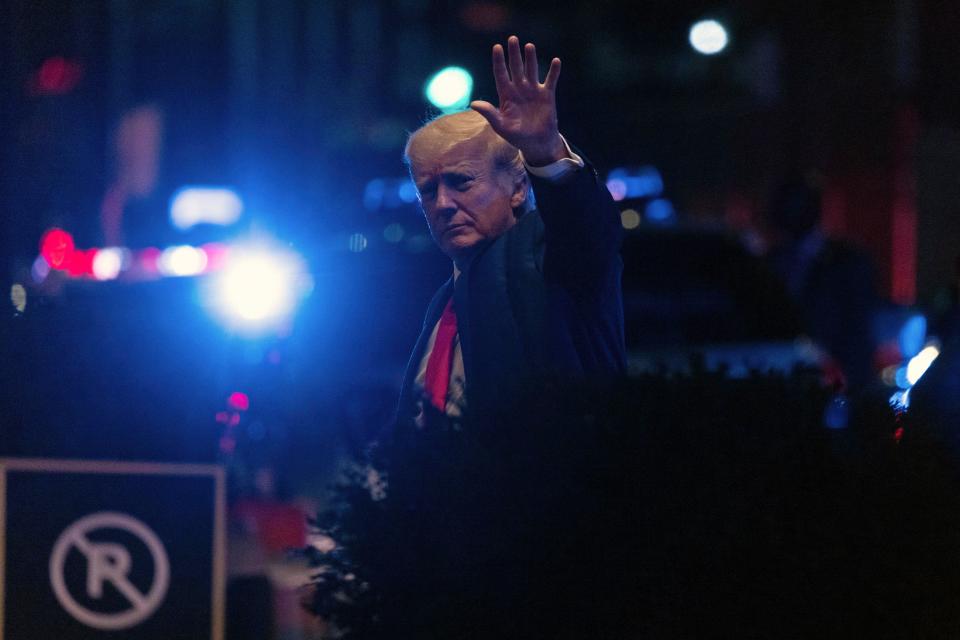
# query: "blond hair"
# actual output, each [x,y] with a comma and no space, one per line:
[443,132]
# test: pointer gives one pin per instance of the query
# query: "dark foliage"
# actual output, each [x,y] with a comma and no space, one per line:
[690,507]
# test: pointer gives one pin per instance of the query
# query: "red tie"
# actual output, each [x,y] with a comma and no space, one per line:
[436,382]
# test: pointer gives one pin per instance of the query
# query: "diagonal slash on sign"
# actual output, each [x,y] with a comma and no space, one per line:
[109,562]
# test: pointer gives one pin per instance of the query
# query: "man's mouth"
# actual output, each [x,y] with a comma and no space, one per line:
[454,228]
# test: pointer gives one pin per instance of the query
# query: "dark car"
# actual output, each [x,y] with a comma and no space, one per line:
[699,295]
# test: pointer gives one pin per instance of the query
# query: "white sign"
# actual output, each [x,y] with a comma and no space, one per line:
[109,562]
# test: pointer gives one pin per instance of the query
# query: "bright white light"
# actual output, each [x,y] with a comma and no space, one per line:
[259,287]
[107,263]
[183,260]
[708,37]
[919,363]
[449,89]
[213,205]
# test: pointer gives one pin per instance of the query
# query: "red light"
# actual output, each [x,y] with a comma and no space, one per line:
[56,76]
[57,247]
[898,434]
[80,263]
[239,401]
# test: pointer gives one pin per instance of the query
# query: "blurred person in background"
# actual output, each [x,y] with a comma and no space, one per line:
[831,280]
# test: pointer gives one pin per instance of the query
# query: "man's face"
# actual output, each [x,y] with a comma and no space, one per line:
[464,198]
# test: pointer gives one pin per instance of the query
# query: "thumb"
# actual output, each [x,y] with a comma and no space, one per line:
[488,111]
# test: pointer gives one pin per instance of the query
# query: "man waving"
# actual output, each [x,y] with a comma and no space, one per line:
[535,291]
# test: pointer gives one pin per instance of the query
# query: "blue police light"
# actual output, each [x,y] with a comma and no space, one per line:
[635,182]
[389,193]
[407,192]
[708,37]
[259,288]
[212,205]
[912,335]
[373,194]
[449,89]
[660,211]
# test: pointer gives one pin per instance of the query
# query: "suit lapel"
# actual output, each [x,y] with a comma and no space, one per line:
[434,310]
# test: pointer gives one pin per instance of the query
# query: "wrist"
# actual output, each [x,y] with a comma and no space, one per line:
[541,155]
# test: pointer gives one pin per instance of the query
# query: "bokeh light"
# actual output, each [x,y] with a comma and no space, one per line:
[258,288]
[182,260]
[40,270]
[919,364]
[630,218]
[107,263]
[56,76]
[912,335]
[635,182]
[56,247]
[449,89]
[239,401]
[393,232]
[191,206]
[660,211]
[617,188]
[357,242]
[708,37]
[18,296]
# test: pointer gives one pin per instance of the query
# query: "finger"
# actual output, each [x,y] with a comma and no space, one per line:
[488,111]
[500,75]
[515,59]
[553,74]
[530,62]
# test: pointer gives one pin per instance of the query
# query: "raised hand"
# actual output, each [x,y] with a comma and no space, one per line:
[527,115]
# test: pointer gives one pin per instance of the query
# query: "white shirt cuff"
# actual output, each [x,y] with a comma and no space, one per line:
[561,168]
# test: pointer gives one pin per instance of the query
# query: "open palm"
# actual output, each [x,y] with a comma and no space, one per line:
[527,114]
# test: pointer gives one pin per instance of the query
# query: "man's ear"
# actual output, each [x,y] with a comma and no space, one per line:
[521,186]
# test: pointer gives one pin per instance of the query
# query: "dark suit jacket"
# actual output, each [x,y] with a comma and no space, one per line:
[543,299]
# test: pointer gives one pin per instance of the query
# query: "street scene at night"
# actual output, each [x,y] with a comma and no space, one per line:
[405,319]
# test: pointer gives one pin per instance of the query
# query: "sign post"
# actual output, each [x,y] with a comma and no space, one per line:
[92,549]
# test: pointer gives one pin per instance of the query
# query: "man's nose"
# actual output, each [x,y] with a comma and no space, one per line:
[445,200]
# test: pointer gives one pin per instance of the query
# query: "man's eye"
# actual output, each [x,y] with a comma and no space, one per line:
[463,184]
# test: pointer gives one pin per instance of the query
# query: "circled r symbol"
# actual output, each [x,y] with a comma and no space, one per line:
[109,562]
